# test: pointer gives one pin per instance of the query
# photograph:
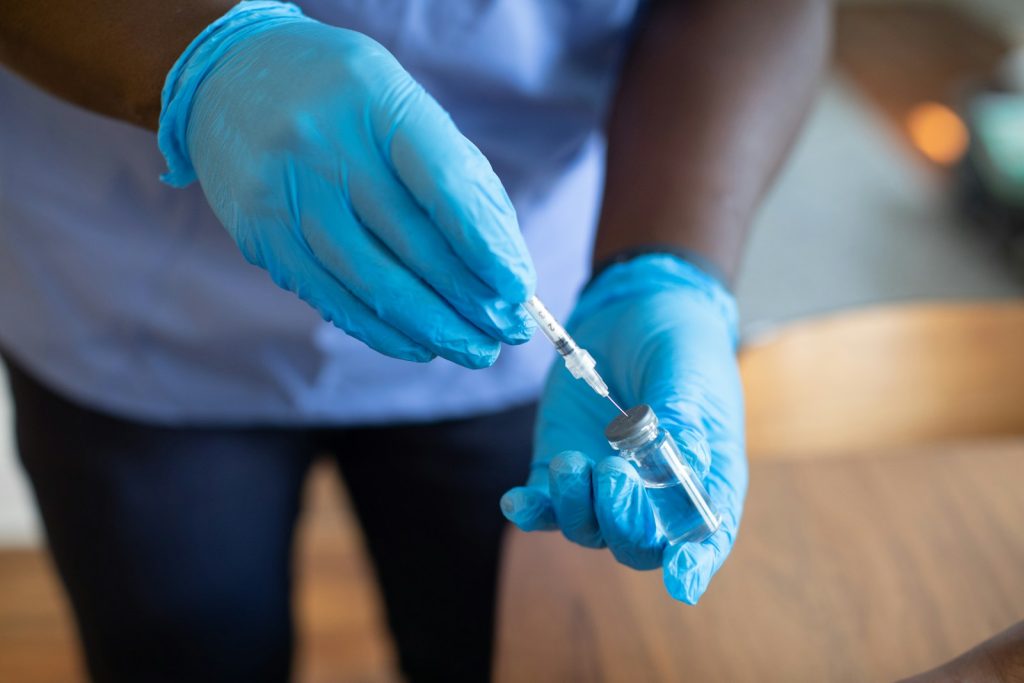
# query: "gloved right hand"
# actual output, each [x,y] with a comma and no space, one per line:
[663,332]
[334,170]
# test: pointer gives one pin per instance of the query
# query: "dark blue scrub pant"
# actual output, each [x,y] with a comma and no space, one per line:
[174,544]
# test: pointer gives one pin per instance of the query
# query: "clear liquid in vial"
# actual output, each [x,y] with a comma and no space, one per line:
[677,516]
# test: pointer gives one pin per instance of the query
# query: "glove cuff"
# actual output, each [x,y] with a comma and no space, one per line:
[183,80]
[688,255]
[653,273]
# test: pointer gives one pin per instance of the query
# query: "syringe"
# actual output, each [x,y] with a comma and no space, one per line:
[578,362]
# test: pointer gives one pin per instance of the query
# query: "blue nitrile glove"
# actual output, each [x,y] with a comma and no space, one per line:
[334,170]
[662,333]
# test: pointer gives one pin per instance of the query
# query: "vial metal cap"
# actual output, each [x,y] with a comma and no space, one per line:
[638,426]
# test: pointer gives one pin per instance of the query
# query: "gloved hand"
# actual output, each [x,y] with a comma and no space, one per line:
[662,333]
[334,170]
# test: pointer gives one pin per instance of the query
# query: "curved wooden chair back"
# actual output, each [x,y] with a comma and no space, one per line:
[886,377]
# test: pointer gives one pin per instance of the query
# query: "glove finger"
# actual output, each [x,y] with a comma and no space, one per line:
[318,288]
[386,208]
[457,188]
[625,515]
[356,258]
[572,496]
[688,567]
[529,509]
[727,480]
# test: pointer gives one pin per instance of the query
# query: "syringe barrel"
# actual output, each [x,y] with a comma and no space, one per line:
[578,362]
[549,326]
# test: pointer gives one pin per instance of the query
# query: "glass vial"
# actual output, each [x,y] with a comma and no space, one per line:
[682,508]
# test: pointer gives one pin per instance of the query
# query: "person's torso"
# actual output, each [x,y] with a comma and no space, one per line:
[128,295]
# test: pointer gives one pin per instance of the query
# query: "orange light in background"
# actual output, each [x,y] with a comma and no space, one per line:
[938,132]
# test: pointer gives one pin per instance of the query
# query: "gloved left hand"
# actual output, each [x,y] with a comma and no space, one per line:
[662,333]
[334,170]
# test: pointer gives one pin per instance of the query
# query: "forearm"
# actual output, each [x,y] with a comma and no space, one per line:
[1000,658]
[709,101]
[110,56]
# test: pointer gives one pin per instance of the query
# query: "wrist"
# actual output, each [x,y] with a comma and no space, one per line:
[690,256]
[647,274]
[190,69]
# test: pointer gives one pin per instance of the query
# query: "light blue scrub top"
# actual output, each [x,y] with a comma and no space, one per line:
[129,296]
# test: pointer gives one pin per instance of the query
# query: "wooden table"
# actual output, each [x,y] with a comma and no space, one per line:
[861,568]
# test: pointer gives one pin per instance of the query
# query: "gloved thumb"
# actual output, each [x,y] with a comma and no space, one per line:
[529,509]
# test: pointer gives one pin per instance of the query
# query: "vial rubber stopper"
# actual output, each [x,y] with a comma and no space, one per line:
[638,423]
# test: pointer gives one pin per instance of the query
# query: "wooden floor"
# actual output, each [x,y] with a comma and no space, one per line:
[36,641]
[342,632]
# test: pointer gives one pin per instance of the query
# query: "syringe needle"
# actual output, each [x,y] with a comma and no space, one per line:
[617,406]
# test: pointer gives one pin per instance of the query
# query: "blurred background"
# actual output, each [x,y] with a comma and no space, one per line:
[907,185]
[870,207]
